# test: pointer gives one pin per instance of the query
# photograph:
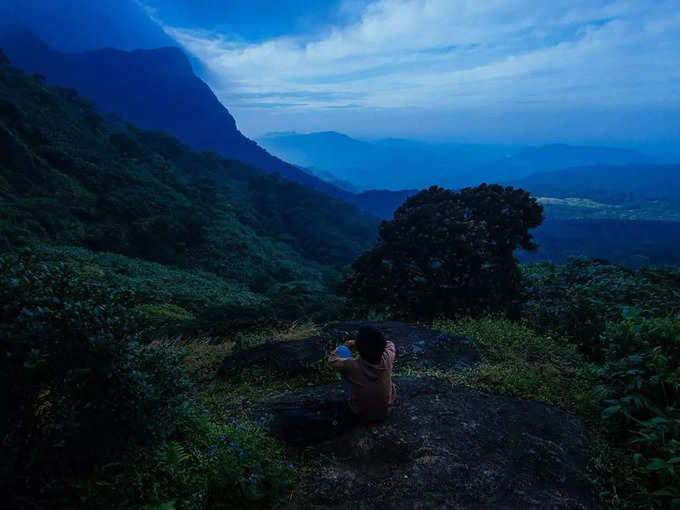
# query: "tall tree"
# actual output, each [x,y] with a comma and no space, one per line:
[449,253]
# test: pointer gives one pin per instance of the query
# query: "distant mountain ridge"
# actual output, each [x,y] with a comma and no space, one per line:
[398,164]
[339,155]
[155,89]
[391,163]
[606,182]
[558,156]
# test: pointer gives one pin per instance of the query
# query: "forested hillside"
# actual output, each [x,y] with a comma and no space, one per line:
[68,177]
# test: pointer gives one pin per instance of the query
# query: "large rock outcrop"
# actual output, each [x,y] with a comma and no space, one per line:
[417,347]
[443,447]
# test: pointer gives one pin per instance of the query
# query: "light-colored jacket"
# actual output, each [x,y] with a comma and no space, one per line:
[372,392]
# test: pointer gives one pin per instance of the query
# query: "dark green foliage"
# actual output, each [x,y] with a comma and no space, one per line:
[641,391]
[80,388]
[638,358]
[207,466]
[449,253]
[577,299]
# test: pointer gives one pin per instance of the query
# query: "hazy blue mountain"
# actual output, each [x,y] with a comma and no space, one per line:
[329,177]
[393,163]
[607,182]
[554,157]
[382,203]
[397,164]
[155,89]
[343,157]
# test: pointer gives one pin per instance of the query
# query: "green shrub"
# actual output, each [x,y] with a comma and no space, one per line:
[641,390]
[81,390]
[577,299]
[207,466]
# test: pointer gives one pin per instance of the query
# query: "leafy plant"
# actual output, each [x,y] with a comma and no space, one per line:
[577,299]
[80,387]
[209,466]
[641,390]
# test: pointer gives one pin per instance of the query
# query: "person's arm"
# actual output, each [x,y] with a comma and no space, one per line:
[390,351]
[338,363]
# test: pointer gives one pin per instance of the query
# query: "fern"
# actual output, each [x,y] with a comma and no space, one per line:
[172,456]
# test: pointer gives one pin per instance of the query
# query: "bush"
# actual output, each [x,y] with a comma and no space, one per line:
[207,466]
[641,389]
[577,299]
[81,389]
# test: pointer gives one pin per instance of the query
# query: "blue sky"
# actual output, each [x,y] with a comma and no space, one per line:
[530,71]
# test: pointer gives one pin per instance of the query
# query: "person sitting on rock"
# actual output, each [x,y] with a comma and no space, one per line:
[368,378]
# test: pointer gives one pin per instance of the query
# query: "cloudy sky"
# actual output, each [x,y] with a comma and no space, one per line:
[578,71]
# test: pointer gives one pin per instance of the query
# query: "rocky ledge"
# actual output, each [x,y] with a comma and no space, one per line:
[443,447]
[417,347]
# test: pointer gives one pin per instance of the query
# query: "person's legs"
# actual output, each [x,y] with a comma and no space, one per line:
[344,352]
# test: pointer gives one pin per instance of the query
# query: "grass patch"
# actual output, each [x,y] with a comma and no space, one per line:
[234,397]
[237,395]
[203,356]
[516,361]
[299,331]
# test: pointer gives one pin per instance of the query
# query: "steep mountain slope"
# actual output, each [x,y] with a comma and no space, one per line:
[155,89]
[69,177]
[81,25]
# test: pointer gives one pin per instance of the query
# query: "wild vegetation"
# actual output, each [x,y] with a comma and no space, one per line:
[97,415]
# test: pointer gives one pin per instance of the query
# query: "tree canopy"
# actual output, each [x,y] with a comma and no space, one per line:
[448,253]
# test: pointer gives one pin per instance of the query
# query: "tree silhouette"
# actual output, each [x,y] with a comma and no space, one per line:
[448,253]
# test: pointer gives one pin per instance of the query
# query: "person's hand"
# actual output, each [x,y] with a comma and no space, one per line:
[350,344]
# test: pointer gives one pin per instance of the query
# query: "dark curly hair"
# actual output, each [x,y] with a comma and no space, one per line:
[370,344]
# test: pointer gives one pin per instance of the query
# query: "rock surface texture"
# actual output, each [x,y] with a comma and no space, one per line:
[417,347]
[443,447]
